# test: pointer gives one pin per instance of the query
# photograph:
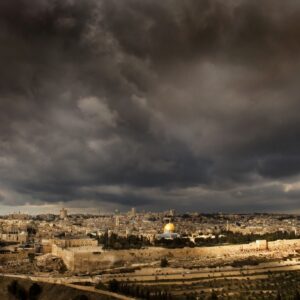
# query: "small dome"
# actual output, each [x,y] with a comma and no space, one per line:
[169,227]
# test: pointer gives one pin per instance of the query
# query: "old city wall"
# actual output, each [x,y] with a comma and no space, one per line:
[65,254]
[88,261]
[284,244]
[151,254]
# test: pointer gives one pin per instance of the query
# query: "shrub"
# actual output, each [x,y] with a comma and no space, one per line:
[81,297]
[16,290]
[113,285]
[164,263]
[34,291]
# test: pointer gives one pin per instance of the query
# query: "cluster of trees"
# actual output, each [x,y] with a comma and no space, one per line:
[31,230]
[116,242]
[227,237]
[239,238]
[20,293]
[140,292]
[296,296]
[174,243]
[214,296]
[250,261]
[151,293]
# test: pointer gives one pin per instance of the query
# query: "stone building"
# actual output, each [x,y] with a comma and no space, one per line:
[15,236]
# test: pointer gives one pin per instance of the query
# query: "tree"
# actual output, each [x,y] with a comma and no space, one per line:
[16,290]
[164,263]
[278,296]
[213,295]
[101,286]
[81,297]
[34,291]
[31,257]
[297,296]
[113,285]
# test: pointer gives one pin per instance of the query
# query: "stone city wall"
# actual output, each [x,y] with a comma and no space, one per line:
[66,255]
[284,244]
[88,260]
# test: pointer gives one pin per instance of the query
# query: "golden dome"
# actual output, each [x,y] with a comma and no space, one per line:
[169,227]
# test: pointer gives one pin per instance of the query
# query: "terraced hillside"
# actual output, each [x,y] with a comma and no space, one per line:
[257,282]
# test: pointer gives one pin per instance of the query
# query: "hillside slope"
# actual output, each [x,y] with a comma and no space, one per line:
[49,291]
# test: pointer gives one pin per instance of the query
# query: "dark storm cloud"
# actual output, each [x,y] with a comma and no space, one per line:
[150,103]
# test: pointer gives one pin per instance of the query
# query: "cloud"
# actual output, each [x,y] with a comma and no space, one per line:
[92,107]
[188,104]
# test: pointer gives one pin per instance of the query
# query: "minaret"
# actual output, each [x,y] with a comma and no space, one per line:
[227,225]
[63,214]
[117,221]
[133,211]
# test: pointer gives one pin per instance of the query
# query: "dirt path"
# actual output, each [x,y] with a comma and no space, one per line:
[94,290]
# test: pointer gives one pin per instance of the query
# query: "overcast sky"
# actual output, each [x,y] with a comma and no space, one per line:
[185,104]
